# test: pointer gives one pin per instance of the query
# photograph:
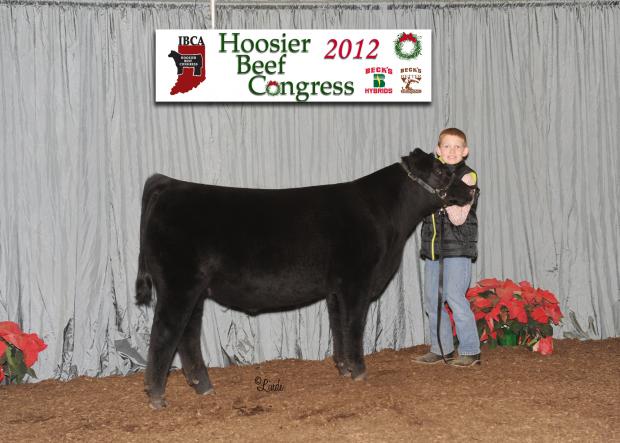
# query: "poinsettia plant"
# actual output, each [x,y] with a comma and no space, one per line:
[18,352]
[505,310]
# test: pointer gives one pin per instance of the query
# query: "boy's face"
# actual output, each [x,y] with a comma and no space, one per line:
[452,149]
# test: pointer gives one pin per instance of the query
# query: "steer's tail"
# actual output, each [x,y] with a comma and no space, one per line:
[150,194]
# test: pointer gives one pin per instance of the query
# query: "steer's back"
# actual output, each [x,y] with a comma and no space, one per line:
[254,249]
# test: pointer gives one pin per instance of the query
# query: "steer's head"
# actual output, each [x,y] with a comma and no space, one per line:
[438,176]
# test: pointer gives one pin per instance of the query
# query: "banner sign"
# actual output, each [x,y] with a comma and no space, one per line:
[295,65]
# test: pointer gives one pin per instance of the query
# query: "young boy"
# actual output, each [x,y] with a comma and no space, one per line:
[458,248]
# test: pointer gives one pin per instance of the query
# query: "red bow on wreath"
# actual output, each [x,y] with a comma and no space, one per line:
[272,83]
[408,37]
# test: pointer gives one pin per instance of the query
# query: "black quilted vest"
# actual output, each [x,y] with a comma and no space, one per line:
[458,241]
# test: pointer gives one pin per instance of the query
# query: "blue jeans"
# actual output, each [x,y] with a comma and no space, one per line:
[456,279]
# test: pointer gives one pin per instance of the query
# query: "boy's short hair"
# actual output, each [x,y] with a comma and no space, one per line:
[452,131]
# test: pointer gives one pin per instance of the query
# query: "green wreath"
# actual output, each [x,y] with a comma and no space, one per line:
[273,88]
[402,38]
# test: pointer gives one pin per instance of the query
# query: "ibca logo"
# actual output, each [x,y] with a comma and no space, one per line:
[189,60]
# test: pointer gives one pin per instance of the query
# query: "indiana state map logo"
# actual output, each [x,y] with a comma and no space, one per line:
[189,60]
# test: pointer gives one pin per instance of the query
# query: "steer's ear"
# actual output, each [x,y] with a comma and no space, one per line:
[419,162]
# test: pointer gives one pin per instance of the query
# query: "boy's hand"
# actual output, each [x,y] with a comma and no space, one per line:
[458,214]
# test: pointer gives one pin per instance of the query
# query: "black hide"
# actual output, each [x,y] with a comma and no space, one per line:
[259,250]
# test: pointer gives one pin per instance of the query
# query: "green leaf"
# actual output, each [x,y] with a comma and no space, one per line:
[17,367]
[516,327]
[480,330]
[546,330]
[10,359]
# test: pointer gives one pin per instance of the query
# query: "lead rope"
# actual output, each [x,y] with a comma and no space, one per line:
[440,289]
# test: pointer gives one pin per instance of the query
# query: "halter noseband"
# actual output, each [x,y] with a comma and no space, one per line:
[441,192]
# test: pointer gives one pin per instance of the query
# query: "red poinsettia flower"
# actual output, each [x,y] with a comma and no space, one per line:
[9,330]
[517,310]
[504,294]
[528,295]
[1,373]
[452,324]
[493,298]
[478,315]
[539,315]
[497,309]
[475,291]
[481,302]
[489,319]
[3,347]
[511,286]
[552,310]
[29,344]
[548,296]
[490,283]
[485,336]
[538,296]
[544,346]
[522,308]
[526,285]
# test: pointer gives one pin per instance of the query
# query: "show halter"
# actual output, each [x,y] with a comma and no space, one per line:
[440,192]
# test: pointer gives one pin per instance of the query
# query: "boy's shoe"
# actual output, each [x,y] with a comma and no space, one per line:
[466,361]
[432,358]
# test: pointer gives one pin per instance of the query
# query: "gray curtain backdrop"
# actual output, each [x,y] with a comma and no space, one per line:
[534,85]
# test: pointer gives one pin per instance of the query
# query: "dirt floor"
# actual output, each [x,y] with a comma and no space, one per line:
[515,395]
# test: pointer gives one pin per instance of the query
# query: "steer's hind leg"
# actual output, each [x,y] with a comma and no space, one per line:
[191,356]
[356,309]
[335,323]
[172,312]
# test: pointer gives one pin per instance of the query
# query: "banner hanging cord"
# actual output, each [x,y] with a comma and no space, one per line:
[212,14]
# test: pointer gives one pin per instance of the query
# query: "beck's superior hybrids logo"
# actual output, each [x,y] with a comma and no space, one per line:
[189,59]
[411,76]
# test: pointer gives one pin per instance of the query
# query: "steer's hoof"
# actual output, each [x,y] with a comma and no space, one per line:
[207,392]
[362,376]
[203,388]
[158,403]
[201,384]
[344,371]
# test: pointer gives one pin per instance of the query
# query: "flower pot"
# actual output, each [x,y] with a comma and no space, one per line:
[544,346]
[508,338]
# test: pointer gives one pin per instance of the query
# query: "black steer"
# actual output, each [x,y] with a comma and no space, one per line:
[258,250]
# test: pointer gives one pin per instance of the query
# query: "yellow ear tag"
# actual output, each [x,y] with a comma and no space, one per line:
[475,176]
[438,157]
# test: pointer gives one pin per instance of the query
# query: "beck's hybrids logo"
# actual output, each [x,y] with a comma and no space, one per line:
[189,60]
[378,80]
